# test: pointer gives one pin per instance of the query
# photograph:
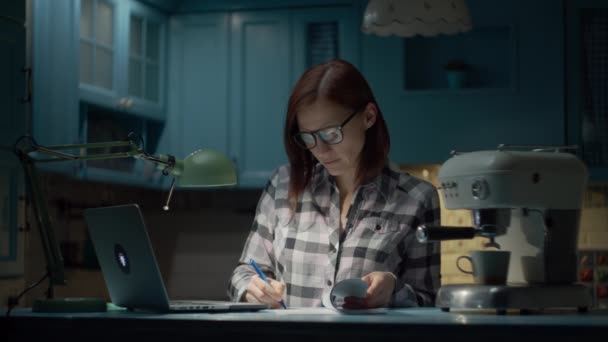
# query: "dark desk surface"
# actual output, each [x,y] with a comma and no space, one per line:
[307,324]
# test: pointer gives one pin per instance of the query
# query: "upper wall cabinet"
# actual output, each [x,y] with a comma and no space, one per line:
[55,102]
[321,34]
[98,48]
[231,74]
[14,102]
[260,82]
[198,74]
[122,47]
[270,51]
[98,74]
[587,72]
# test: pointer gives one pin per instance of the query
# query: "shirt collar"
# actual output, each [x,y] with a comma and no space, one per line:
[380,184]
[320,179]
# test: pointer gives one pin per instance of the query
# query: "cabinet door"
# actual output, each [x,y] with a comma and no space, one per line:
[260,83]
[587,73]
[99,37]
[122,56]
[145,62]
[12,125]
[198,104]
[322,34]
[55,117]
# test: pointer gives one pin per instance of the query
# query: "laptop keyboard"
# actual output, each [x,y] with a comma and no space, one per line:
[195,304]
[191,302]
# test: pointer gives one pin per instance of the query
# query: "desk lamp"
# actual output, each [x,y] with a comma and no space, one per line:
[202,168]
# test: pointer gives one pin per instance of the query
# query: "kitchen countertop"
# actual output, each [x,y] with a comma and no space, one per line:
[310,323]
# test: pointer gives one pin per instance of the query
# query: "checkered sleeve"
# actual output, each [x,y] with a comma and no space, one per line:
[419,279]
[258,245]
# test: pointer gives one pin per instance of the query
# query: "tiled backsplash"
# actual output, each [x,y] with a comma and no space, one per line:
[450,250]
[594,219]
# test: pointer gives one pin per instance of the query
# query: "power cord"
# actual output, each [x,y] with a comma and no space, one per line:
[13,301]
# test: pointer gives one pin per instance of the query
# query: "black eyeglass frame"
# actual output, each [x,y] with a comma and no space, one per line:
[314,134]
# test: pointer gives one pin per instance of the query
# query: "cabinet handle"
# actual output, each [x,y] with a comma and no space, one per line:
[5,210]
[28,81]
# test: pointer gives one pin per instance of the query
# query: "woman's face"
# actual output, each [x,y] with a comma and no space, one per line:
[343,157]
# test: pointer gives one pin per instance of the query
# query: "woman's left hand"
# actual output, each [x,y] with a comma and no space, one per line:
[379,291]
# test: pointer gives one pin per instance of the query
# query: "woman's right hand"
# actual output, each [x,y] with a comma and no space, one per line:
[258,291]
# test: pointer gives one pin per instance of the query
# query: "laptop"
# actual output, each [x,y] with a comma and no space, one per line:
[129,267]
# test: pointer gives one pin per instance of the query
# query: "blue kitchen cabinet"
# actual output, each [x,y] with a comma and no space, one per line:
[270,51]
[100,36]
[55,102]
[321,34]
[146,62]
[122,53]
[231,73]
[260,82]
[197,116]
[14,102]
[586,91]
[73,102]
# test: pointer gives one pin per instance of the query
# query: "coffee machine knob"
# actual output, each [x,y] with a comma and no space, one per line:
[480,189]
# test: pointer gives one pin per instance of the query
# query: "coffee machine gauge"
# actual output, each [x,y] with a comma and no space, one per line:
[480,189]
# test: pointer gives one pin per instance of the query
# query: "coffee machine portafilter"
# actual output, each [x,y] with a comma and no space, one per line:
[524,199]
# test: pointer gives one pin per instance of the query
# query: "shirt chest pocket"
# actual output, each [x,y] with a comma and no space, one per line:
[377,237]
[380,233]
[378,226]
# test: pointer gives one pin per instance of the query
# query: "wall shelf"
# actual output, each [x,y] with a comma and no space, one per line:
[489,53]
[460,91]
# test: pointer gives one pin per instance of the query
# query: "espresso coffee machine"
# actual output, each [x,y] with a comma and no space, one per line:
[527,200]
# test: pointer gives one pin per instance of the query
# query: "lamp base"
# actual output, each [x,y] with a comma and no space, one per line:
[76,304]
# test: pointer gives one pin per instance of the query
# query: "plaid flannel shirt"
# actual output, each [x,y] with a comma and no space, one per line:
[308,253]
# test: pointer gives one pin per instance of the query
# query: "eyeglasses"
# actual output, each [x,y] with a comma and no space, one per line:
[329,135]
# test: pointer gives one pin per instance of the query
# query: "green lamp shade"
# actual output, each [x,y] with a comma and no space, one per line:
[204,168]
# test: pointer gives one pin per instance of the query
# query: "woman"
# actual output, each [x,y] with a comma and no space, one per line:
[338,210]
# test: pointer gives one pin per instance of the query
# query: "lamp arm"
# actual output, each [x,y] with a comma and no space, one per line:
[54,260]
[168,161]
[25,147]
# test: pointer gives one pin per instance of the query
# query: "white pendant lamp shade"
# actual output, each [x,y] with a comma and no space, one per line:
[407,18]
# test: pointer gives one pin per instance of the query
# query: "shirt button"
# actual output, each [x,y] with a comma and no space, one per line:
[329,283]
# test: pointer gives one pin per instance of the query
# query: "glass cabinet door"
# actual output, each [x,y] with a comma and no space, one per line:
[13,124]
[97,43]
[144,58]
[594,77]
[322,34]
[586,86]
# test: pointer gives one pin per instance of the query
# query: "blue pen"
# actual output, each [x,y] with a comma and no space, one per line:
[261,274]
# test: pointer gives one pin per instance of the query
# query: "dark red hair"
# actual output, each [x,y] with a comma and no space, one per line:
[341,83]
